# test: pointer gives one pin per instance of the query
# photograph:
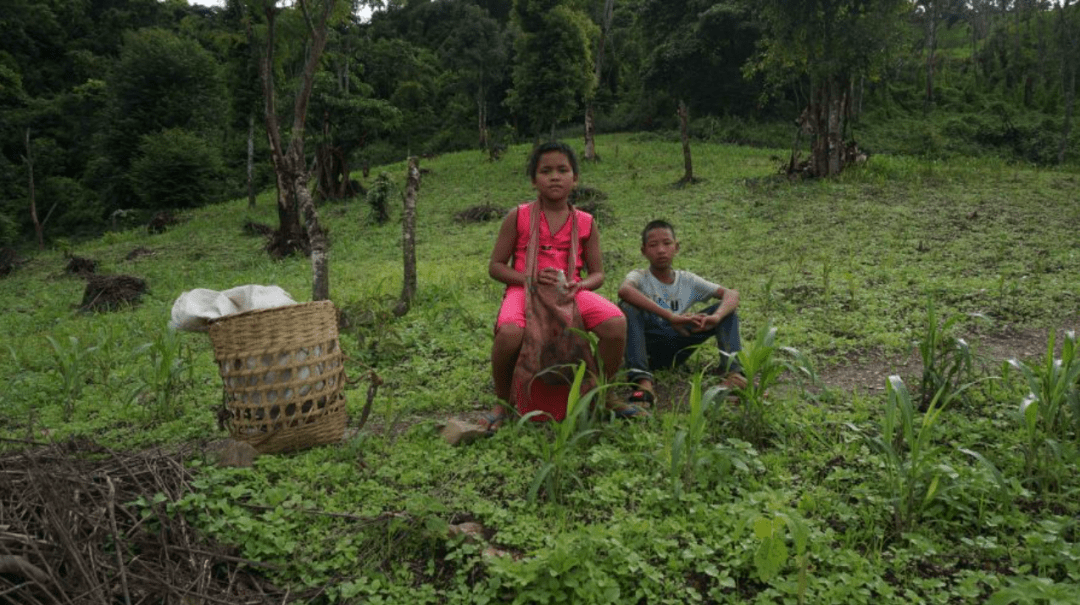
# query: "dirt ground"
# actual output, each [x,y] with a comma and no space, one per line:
[867,371]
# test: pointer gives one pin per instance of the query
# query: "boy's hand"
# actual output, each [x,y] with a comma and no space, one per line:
[683,324]
[704,323]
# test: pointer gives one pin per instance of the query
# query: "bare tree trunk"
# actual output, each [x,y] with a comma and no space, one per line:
[39,229]
[826,118]
[408,241]
[590,134]
[931,48]
[590,118]
[481,118]
[289,165]
[251,160]
[684,127]
[320,258]
[1069,48]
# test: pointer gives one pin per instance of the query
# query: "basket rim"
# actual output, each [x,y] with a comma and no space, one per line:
[254,312]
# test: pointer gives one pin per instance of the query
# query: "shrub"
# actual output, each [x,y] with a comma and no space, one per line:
[176,169]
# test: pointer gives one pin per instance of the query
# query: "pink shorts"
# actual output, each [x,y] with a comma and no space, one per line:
[595,309]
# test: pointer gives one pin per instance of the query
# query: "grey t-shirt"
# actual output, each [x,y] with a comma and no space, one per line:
[678,296]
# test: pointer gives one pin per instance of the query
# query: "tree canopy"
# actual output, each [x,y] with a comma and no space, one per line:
[93,92]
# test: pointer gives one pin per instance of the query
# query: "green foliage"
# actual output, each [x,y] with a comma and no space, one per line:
[946,359]
[662,511]
[558,456]
[762,370]
[1050,439]
[379,197]
[72,359]
[176,169]
[772,551]
[9,230]
[553,65]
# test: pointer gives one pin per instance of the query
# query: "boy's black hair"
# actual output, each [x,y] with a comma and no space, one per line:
[657,224]
[543,148]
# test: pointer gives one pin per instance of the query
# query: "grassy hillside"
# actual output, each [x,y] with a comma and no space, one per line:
[803,493]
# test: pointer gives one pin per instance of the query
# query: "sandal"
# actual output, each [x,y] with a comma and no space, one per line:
[493,421]
[734,381]
[635,406]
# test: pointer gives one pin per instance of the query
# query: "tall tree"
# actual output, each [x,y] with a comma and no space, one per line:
[477,51]
[290,168]
[598,62]
[697,47]
[826,44]
[553,69]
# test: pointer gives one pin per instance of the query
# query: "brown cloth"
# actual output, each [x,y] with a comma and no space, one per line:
[552,347]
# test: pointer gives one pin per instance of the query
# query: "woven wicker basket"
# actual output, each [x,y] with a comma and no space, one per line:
[283,374]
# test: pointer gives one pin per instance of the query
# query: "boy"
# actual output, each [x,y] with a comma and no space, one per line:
[661,332]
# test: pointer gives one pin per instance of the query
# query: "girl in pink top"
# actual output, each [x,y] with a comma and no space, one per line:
[553,169]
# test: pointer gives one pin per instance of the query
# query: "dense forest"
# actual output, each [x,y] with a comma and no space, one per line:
[113,110]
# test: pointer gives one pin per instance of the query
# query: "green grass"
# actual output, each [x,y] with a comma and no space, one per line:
[840,268]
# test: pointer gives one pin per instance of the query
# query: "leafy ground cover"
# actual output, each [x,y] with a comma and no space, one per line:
[898,456]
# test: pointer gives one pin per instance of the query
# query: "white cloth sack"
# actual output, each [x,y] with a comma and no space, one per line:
[194,309]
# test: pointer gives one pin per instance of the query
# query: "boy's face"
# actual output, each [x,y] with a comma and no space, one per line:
[555,177]
[660,248]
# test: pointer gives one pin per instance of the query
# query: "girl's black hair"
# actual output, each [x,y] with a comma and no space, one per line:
[550,146]
[658,224]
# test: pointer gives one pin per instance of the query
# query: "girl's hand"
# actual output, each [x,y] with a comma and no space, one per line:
[547,277]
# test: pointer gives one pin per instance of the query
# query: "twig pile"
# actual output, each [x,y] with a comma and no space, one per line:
[70,533]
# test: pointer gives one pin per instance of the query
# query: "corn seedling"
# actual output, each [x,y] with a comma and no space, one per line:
[690,459]
[912,461]
[1044,413]
[762,370]
[163,377]
[71,360]
[575,427]
[686,458]
[946,360]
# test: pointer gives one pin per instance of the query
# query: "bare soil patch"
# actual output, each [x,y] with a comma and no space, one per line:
[867,370]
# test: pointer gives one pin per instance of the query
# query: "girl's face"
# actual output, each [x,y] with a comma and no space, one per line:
[555,177]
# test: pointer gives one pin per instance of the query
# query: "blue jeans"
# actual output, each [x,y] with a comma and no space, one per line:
[653,344]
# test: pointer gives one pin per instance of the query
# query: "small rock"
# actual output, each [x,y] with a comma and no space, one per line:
[472,531]
[230,452]
[458,432]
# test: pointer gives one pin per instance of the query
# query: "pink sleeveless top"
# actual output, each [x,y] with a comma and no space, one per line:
[554,248]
